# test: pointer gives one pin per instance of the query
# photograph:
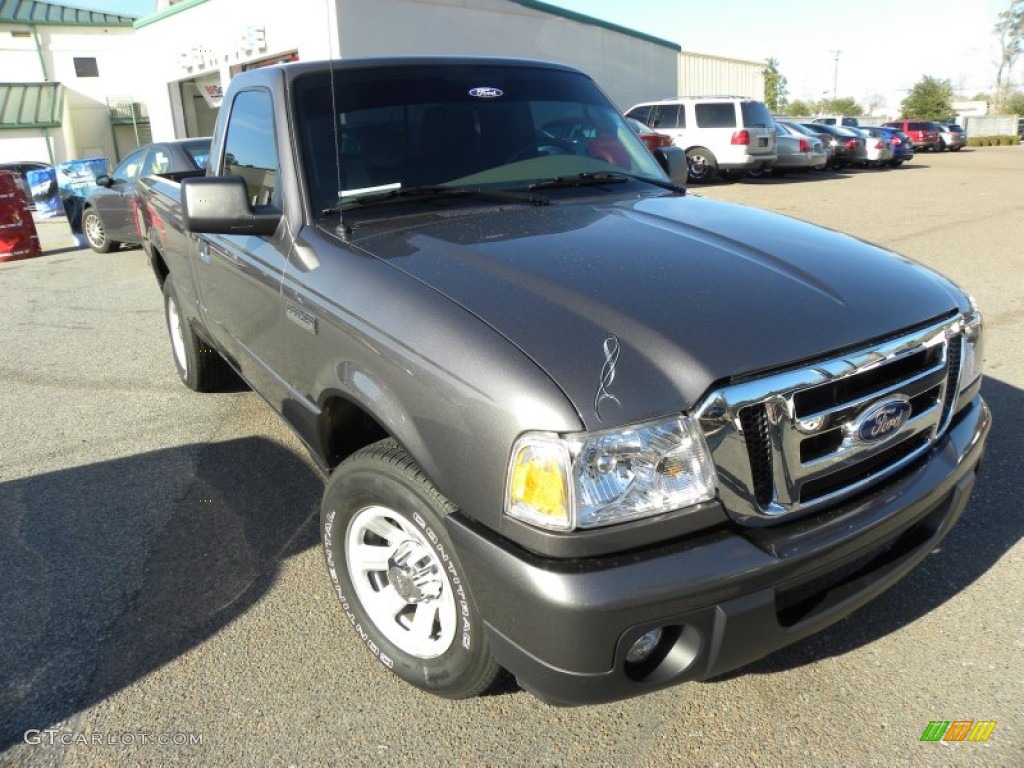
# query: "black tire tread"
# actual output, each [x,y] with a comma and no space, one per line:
[389,452]
[209,371]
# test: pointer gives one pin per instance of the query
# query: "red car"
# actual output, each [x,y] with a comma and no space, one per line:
[648,136]
[921,132]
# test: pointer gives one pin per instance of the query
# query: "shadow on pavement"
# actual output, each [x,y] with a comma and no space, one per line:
[111,571]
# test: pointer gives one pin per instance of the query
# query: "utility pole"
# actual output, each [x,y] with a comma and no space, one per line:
[835,76]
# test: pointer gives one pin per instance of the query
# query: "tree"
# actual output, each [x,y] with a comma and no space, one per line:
[929,99]
[775,90]
[843,106]
[800,108]
[1015,103]
[1010,30]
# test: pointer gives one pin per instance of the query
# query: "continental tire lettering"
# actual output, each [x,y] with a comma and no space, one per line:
[454,580]
[345,606]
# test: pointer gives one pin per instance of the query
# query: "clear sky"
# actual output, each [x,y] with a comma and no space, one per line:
[885,45]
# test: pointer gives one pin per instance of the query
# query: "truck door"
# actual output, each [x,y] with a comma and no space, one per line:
[239,276]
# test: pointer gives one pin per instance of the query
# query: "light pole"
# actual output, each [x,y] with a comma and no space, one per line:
[835,76]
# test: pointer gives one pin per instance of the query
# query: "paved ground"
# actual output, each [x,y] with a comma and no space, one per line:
[161,578]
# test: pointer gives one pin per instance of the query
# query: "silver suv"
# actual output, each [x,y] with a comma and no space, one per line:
[721,134]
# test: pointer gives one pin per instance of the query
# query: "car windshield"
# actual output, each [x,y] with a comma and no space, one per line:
[487,127]
[199,151]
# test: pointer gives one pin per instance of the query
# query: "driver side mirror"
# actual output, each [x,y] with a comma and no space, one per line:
[673,162]
[220,205]
[104,181]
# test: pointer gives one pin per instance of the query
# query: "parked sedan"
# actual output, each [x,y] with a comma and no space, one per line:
[877,151]
[951,136]
[847,147]
[798,151]
[649,136]
[109,213]
[902,146]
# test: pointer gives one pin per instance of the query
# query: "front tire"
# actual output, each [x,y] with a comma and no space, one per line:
[397,575]
[96,233]
[200,367]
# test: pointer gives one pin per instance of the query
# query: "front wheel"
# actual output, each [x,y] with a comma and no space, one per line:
[96,233]
[397,575]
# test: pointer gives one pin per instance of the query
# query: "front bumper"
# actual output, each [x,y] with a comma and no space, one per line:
[726,598]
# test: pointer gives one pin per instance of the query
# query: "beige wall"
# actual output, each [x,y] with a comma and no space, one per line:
[706,75]
[85,129]
[629,69]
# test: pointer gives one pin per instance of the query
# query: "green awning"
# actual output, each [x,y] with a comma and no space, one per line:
[30,105]
[54,14]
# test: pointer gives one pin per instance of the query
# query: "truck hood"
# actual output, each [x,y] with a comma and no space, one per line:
[636,308]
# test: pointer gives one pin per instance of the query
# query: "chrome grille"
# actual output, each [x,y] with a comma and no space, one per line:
[798,440]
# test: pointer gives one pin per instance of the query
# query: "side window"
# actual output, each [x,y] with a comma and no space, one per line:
[157,162]
[250,150]
[643,114]
[668,117]
[128,169]
[716,114]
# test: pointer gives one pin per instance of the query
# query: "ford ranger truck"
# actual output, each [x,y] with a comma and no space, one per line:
[575,423]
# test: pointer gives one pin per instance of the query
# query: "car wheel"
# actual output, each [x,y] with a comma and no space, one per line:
[397,575]
[702,165]
[96,233]
[895,163]
[200,367]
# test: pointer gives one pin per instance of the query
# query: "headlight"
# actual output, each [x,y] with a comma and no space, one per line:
[588,480]
[974,348]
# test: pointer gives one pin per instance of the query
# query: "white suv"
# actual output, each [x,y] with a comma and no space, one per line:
[721,134]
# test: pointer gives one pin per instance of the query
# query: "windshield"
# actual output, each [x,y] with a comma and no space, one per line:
[494,127]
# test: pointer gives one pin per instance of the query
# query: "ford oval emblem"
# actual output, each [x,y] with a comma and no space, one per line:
[882,420]
[486,93]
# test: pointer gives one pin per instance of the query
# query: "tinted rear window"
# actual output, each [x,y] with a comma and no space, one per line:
[717,114]
[755,113]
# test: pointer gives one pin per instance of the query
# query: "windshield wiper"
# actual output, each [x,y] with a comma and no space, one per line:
[416,194]
[590,179]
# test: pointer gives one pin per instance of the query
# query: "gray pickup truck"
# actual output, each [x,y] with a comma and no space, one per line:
[576,423]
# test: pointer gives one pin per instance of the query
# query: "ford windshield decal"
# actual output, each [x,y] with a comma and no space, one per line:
[486,92]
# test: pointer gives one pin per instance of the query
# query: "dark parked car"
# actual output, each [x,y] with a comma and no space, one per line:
[902,146]
[847,146]
[22,167]
[109,213]
[923,133]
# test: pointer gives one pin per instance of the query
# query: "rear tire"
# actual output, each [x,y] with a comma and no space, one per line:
[398,577]
[702,164]
[199,366]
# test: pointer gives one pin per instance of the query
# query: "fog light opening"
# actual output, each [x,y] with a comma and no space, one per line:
[663,654]
[644,646]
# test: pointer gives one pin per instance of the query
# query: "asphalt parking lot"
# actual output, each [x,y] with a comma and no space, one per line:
[165,601]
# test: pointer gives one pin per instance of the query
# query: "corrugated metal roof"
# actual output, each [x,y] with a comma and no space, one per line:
[30,105]
[53,14]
